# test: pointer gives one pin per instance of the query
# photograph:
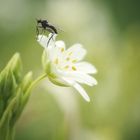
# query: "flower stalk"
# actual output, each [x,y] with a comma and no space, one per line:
[33,84]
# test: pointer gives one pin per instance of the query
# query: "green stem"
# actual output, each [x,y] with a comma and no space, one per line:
[36,81]
[26,96]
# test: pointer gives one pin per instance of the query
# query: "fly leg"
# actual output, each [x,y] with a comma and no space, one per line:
[39,30]
[51,37]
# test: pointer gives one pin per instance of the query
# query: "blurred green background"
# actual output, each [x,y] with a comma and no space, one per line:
[110,31]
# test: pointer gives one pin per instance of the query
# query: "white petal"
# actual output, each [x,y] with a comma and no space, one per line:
[78,77]
[57,51]
[68,81]
[43,40]
[60,44]
[76,52]
[59,48]
[78,88]
[85,79]
[86,67]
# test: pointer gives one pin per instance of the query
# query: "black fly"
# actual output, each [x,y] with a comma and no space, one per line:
[44,25]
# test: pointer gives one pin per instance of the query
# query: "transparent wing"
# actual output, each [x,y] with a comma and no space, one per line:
[57,27]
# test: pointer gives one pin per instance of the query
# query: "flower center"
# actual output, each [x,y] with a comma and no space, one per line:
[65,61]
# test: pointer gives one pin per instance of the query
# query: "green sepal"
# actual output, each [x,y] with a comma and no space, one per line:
[58,82]
[48,70]
[44,60]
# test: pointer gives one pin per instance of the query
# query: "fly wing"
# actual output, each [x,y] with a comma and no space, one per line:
[51,29]
[57,27]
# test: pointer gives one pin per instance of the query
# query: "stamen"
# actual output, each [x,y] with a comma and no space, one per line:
[73,61]
[56,61]
[67,58]
[66,67]
[62,49]
[74,68]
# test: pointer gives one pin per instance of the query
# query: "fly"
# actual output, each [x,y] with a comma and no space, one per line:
[44,25]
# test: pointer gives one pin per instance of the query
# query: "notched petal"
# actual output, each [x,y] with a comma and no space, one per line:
[43,40]
[86,67]
[60,44]
[76,52]
[82,92]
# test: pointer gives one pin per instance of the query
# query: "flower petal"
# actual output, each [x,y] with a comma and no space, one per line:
[58,49]
[84,79]
[79,88]
[78,77]
[86,67]
[76,52]
[43,40]
[60,44]
[56,53]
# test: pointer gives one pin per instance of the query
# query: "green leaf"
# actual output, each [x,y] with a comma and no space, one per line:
[22,95]
[10,77]
[26,82]
[13,89]
[15,66]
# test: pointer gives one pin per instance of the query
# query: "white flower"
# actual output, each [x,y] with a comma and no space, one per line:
[64,66]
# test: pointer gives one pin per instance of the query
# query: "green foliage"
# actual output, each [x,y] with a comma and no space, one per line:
[13,95]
